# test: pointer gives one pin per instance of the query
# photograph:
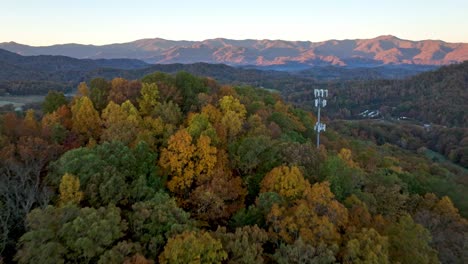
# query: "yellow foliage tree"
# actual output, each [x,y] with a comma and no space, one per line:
[233,115]
[121,122]
[229,103]
[205,156]
[148,99]
[177,159]
[286,181]
[83,90]
[30,124]
[316,218]
[346,155]
[85,119]
[187,163]
[192,248]
[70,190]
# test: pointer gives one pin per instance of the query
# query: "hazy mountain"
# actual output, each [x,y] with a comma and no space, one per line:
[354,53]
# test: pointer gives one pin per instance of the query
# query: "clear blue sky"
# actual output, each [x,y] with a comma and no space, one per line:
[45,22]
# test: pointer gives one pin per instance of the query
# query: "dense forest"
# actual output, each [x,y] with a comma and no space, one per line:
[180,169]
[26,75]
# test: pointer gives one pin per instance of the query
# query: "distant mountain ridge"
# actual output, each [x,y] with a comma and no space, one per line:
[383,50]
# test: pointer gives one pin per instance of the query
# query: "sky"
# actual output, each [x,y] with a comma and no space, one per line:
[46,22]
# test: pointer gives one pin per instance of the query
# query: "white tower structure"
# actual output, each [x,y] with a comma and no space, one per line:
[320,101]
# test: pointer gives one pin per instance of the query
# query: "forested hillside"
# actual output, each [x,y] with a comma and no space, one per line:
[180,169]
[26,75]
[437,97]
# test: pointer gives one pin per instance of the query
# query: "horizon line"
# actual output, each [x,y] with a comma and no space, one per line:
[224,38]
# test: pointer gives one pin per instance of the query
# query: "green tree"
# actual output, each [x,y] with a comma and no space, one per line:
[125,252]
[409,242]
[69,234]
[152,222]
[302,253]
[99,93]
[245,245]
[113,173]
[190,86]
[53,101]
[344,180]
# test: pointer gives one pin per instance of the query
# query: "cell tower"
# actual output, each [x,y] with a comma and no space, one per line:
[320,101]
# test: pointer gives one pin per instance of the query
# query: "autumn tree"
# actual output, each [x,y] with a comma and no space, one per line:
[346,155]
[216,198]
[10,125]
[70,190]
[234,114]
[122,90]
[121,123]
[256,126]
[286,181]
[85,118]
[186,162]
[317,218]
[358,214]
[447,227]
[193,247]
[30,126]
[148,99]
[366,246]
[83,90]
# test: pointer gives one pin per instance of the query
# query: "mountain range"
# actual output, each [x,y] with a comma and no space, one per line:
[382,50]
